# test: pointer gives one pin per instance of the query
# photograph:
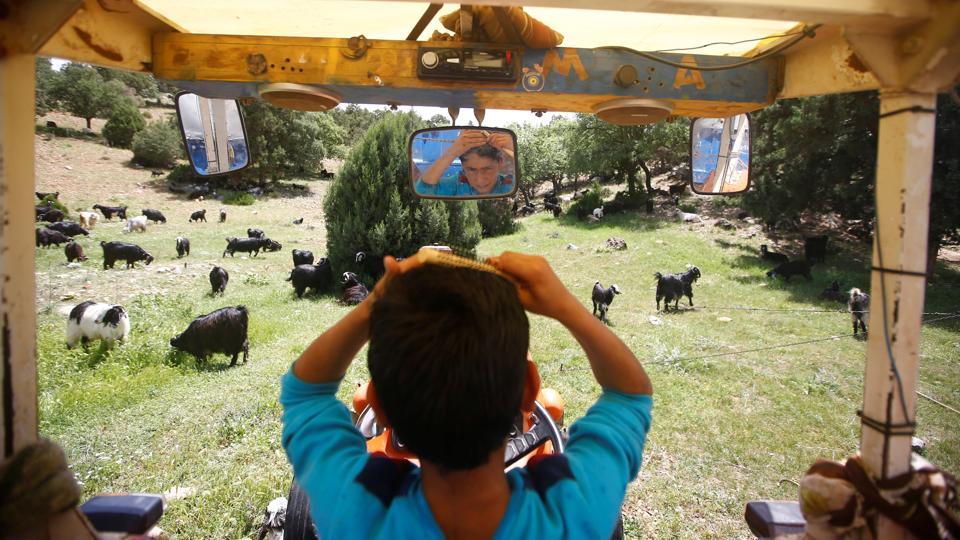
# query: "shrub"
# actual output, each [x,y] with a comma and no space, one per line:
[56,204]
[157,145]
[584,206]
[496,217]
[182,174]
[238,198]
[624,201]
[124,122]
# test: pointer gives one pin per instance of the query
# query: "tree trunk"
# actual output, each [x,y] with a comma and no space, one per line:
[89,126]
[648,180]
[933,247]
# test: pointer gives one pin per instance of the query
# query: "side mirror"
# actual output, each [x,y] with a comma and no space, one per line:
[720,155]
[463,163]
[213,134]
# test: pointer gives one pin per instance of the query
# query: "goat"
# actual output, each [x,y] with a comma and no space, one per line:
[69,228]
[673,287]
[42,209]
[318,277]
[677,189]
[298,221]
[183,246]
[859,307]
[41,195]
[131,253]
[154,215]
[302,256]
[52,216]
[88,219]
[792,268]
[256,233]
[109,211]
[527,209]
[354,292]
[598,212]
[74,252]
[93,320]
[250,245]
[218,280]
[370,264]
[768,255]
[198,216]
[222,331]
[602,298]
[553,207]
[223,215]
[815,248]
[156,173]
[45,237]
[833,292]
[138,223]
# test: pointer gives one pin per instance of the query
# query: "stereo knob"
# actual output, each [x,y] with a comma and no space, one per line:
[429,59]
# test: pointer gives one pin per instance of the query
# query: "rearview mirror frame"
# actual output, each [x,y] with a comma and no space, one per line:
[225,159]
[723,162]
[416,173]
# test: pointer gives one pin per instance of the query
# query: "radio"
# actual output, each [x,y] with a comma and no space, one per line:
[493,65]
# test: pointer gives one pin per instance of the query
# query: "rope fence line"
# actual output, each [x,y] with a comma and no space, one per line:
[944,405]
[746,308]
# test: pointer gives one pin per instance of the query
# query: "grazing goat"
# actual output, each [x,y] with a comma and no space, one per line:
[598,213]
[792,268]
[41,195]
[223,215]
[318,277]
[138,223]
[834,293]
[88,219]
[93,320]
[109,211]
[198,216]
[74,252]
[45,237]
[677,189]
[218,280]
[69,228]
[302,256]
[131,253]
[527,210]
[672,287]
[602,298]
[222,331]
[768,255]
[815,248]
[52,216]
[354,292]
[183,246]
[156,173]
[256,233]
[553,207]
[370,264]
[42,209]
[154,215]
[250,245]
[859,307]
[298,221]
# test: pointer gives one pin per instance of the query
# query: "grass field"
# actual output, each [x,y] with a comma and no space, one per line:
[727,429]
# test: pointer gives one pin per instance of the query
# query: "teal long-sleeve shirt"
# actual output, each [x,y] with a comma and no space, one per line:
[354,494]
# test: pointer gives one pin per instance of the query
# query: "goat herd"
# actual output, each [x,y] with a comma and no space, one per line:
[672,287]
[221,331]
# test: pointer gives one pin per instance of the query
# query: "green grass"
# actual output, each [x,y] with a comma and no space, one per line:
[726,429]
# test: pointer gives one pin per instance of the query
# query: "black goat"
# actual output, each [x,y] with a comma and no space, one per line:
[672,287]
[834,293]
[154,215]
[527,209]
[250,245]
[354,292]
[109,211]
[45,237]
[302,256]
[198,216]
[218,280]
[815,248]
[298,221]
[223,215]
[52,216]
[370,264]
[69,228]
[74,252]
[318,277]
[768,255]
[677,189]
[183,246]
[41,195]
[42,209]
[256,233]
[792,268]
[859,307]
[131,253]
[222,331]
[553,207]
[602,298]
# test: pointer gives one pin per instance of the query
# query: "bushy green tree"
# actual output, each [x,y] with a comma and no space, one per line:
[46,81]
[945,198]
[496,217]
[370,206]
[124,122]
[84,93]
[355,120]
[143,84]
[157,145]
[542,155]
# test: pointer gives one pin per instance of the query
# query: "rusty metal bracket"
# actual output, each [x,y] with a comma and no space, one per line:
[357,47]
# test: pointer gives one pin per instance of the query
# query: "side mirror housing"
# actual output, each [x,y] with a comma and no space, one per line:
[213,134]
[457,163]
[720,151]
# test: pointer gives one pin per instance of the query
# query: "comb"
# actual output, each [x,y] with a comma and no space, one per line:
[428,255]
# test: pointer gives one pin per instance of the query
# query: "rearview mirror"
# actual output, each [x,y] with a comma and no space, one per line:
[464,163]
[213,134]
[720,155]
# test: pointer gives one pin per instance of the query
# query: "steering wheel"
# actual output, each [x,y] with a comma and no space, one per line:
[543,429]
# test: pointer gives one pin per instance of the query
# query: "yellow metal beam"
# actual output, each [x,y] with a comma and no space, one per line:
[826,64]
[27,25]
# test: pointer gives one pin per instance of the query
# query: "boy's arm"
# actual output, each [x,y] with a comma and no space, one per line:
[540,291]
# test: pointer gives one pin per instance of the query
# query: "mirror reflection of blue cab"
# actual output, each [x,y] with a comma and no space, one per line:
[463,163]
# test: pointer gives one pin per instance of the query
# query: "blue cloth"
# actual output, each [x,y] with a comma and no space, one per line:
[354,494]
[456,188]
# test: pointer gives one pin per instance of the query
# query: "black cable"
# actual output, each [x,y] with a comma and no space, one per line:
[728,42]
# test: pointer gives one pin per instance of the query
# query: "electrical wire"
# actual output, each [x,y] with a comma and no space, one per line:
[729,42]
[808,31]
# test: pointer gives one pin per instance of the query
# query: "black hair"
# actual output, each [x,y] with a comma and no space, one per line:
[484,150]
[447,357]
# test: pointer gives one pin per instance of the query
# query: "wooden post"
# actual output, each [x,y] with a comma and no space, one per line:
[904,164]
[18,376]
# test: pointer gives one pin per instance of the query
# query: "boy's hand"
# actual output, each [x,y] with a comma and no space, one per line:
[468,138]
[539,288]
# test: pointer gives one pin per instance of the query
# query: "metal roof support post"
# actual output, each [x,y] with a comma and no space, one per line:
[904,164]
[18,379]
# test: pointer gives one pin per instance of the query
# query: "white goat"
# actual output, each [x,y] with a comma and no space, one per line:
[598,213]
[94,320]
[138,223]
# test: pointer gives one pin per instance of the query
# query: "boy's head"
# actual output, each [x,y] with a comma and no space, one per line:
[481,166]
[447,358]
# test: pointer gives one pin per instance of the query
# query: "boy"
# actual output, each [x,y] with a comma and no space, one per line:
[486,161]
[448,364]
